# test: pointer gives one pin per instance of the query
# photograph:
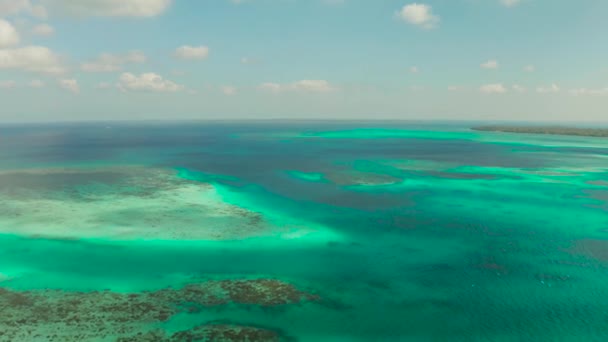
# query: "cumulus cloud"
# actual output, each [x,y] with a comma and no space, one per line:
[454,88]
[8,34]
[519,88]
[491,64]
[553,88]
[311,86]
[10,7]
[494,88]
[107,62]
[43,30]
[228,90]
[529,68]
[320,86]
[15,7]
[192,52]
[104,85]
[588,91]
[272,87]
[8,84]
[31,58]
[36,84]
[414,70]
[70,85]
[147,82]
[510,3]
[249,61]
[110,8]
[420,15]
[84,8]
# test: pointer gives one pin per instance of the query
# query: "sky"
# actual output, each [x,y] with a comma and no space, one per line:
[92,60]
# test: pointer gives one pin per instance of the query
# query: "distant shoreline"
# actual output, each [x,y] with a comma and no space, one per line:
[549,130]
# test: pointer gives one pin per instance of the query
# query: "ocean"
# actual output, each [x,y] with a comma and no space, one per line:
[301,231]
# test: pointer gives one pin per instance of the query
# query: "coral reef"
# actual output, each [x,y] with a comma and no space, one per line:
[209,332]
[220,332]
[55,315]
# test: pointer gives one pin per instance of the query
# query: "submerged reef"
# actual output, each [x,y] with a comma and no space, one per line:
[55,315]
[592,248]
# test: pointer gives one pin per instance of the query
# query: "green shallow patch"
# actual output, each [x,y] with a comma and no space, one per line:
[307,176]
[364,133]
[367,133]
[542,140]
[462,134]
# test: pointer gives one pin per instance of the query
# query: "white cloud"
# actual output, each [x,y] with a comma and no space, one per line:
[529,68]
[269,86]
[553,88]
[519,88]
[38,11]
[192,52]
[107,62]
[510,3]
[249,60]
[43,30]
[15,7]
[147,82]
[414,70]
[110,8]
[495,88]
[491,64]
[311,86]
[8,84]
[31,58]
[36,84]
[454,88]
[104,85]
[228,90]
[70,85]
[419,14]
[321,86]
[10,7]
[8,34]
[588,91]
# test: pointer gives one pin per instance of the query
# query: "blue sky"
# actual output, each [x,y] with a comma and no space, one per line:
[249,59]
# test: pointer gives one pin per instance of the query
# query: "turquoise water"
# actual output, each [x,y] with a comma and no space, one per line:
[301,232]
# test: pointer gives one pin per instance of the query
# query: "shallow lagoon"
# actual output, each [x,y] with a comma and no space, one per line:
[301,231]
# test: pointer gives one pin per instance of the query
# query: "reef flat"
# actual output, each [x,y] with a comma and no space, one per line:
[123,203]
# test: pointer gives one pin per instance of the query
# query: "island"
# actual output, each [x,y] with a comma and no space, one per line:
[552,130]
